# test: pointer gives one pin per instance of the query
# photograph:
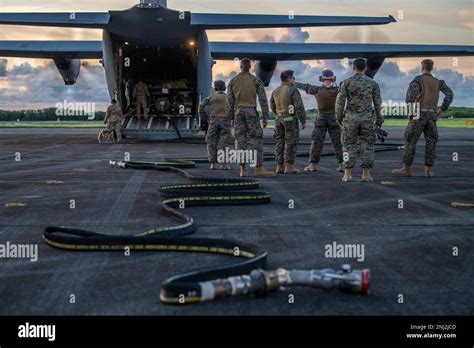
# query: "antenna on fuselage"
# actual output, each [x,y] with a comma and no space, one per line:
[161,3]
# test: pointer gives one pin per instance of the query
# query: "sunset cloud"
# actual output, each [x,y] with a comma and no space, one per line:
[393,81]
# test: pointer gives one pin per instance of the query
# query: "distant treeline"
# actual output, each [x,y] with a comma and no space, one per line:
[49,114]
[456,112]
[460,112]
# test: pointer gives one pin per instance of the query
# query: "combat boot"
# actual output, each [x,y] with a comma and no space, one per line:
[366,175]
[243,170]
[261,172]
[311,167]
[225,166]
[213,166]
[291,169]
[340,169]
[428,172]
[280,169]
[347,175]
[403,171]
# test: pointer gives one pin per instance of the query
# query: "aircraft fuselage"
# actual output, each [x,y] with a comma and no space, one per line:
[159,47]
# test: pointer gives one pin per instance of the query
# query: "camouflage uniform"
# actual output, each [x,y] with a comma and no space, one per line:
[325,121]
[358,118]
[242,108]
[424,89]
[141,93]
[218,135]
[288,106]
[113,119]
[128,93]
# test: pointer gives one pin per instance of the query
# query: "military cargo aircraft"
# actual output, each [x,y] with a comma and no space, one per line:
[170,52]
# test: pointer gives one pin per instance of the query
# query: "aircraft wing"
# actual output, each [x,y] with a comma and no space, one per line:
[239,21]
[51,49]
[309,51]
[100,20]
[97,20]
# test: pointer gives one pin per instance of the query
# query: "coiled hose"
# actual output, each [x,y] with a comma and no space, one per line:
[202,191]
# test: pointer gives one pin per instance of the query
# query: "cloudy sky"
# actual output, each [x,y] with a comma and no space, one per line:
[36,83]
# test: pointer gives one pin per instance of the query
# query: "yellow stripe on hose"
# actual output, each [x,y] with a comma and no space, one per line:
[207,185]
[164,229]
[213,198]
[175,300]
[161,247]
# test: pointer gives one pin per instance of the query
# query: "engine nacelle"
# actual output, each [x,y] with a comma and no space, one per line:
[373,65]
[265,69]
[68,68]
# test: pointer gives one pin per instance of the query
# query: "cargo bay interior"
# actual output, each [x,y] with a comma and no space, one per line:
[171,77]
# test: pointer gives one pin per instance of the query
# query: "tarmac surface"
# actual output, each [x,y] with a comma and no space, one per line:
[409,251]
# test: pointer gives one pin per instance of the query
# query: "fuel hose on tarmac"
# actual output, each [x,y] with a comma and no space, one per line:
[244,276]
[202,191]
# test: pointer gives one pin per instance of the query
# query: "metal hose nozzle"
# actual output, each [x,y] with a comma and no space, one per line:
[117,164]
[261,282]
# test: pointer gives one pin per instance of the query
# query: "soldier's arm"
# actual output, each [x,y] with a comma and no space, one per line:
[448,95]
[273,104]
[230,104]
[414,90]
[202,112]
[309,89]
[299,106]
[146,91]
[107,115]
[377,100]
[262,98]
[341,102]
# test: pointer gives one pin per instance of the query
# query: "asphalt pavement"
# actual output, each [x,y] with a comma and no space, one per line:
[422,251]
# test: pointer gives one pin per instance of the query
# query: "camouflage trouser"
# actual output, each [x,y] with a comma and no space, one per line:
[141,103]
[248,131]
[218,136]
[287,136]
[129,100]
[115,126]
[358,135]
[325,122]
[426,125]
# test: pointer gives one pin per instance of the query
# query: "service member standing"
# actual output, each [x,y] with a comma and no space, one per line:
[424,90]
[360,92]
[325,121]
[242,93]
[128,93]
[287,104]
[141,93]
[218,135]
[113,119]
